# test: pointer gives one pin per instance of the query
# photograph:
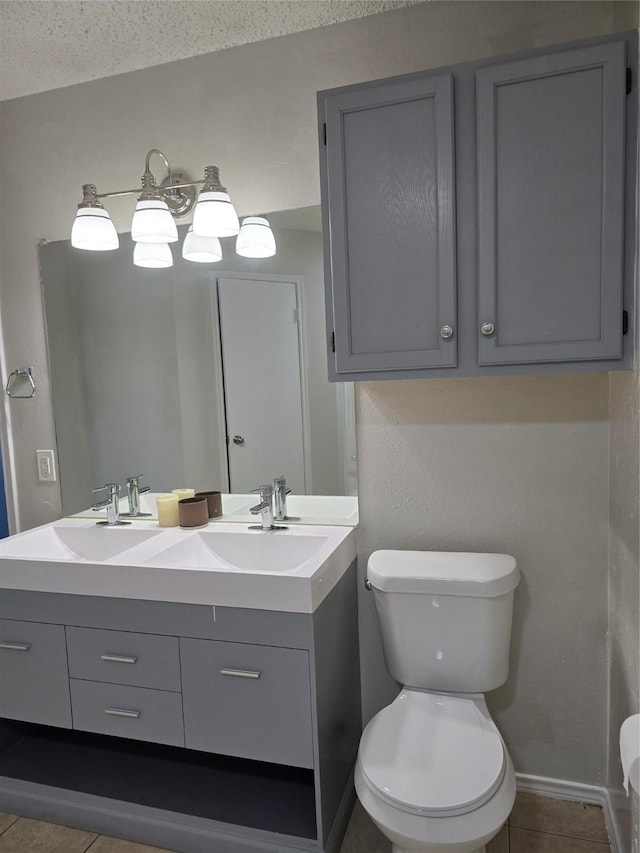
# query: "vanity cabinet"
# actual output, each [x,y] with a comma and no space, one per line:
[188,727]
[34,682]
[475,216]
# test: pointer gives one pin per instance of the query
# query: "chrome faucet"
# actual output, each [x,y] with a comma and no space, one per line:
[133,493]
[111,504]
[280,492]
[265,510]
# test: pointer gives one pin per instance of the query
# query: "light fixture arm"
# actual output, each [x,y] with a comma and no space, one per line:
[160,154]
[180,203]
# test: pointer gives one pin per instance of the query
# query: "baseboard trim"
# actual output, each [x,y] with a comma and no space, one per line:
[560,789]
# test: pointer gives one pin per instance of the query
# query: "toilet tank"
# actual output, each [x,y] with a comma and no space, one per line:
[444,617]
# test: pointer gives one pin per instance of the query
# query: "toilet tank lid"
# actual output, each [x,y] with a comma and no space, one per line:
[443,573]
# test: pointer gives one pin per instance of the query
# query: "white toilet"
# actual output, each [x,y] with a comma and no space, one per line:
[433,772]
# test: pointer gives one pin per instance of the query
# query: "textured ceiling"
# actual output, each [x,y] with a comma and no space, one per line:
[47,44]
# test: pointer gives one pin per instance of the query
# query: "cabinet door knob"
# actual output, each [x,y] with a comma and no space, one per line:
[487,329]
[446,331]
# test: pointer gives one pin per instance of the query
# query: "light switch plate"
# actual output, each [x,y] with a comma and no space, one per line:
[46,461]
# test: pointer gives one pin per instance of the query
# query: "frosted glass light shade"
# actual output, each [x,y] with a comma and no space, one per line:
[153,223]
[215,216]
[255,239]
[152,255]
[94,230]
[202,250]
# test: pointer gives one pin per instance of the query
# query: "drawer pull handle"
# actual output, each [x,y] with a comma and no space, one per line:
[118,658]
[16,647]
[122,712]
[240,673]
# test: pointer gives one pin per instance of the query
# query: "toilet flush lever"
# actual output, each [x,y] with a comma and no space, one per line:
[367,583]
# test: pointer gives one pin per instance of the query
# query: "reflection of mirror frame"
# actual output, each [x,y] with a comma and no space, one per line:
[317,313]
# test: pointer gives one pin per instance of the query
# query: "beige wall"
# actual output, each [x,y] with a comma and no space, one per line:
[508,464]
[515,465]
[624,590]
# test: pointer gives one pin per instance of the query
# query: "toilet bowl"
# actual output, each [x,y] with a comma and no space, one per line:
[432,771]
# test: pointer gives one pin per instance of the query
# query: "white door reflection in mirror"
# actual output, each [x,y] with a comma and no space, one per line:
[261,350]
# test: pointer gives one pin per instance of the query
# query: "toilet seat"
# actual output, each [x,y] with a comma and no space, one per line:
[432,754]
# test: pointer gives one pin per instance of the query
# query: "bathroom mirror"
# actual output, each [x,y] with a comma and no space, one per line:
[211,376]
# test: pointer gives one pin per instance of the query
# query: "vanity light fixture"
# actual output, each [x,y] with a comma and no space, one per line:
[255,239]
[152,255]
[214,215]
[202,250]
[153,226]
[92,227]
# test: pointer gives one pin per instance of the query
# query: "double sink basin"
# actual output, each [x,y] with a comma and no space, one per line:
[222,564]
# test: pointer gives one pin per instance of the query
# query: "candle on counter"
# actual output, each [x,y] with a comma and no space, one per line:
[183,493]
[168,515]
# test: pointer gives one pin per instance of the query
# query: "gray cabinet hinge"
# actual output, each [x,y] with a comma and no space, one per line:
[333,341]
[629,80]
[625,322]
[324,131]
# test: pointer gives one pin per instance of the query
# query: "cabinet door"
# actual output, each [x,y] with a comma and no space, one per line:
[550,212]
[248,701]
[34,683]
[389,189]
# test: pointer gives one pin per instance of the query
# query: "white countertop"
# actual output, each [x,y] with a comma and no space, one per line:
[222,564]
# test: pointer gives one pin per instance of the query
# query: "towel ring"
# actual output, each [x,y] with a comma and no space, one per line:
[17,374]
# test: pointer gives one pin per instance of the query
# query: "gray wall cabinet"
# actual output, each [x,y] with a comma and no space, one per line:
[479,219]
[393,224]
[183,726]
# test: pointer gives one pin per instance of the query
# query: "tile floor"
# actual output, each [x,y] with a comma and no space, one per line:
[536,825]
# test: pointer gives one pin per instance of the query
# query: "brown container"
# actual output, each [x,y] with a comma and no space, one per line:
[214,502]
[193,512]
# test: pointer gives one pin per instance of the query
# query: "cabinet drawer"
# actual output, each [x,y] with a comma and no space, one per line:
[249,701]
[120,657]
[131,712]
[34,683]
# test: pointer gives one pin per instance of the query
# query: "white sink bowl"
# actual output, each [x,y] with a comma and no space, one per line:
[90,543]
[224,565]
[250,551]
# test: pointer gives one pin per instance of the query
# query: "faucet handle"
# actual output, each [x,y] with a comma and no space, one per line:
[114,488]
[133,480]
[265,492]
